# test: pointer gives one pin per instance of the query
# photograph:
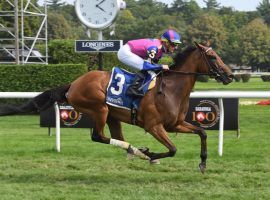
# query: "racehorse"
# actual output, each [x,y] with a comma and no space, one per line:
[162,109]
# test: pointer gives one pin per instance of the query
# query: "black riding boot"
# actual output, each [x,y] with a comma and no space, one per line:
[134,89]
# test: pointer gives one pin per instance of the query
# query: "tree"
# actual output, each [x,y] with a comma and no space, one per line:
[179,5]
[125,25]
[31,23]
[146,9]
[58,27]
[264,10]
[211,4]
[55,4]
[208,27]
[254,40]
[186,9]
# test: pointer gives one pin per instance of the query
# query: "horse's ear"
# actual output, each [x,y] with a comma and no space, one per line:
[208,43]
[197,45]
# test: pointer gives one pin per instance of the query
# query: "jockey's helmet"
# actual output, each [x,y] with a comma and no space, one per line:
[171,36]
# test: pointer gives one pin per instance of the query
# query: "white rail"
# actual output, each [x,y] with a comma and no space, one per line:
[200,94]
[220,95]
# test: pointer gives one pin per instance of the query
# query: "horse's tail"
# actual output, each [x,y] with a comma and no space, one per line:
[39,103]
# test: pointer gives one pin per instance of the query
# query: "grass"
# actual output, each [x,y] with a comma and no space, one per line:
[30,168]
[255,83]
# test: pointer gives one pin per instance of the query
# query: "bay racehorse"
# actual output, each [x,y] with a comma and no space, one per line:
[162,109]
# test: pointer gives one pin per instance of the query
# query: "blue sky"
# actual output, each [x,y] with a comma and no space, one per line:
[243,5]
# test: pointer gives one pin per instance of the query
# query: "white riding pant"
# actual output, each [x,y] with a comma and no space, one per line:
[126,56]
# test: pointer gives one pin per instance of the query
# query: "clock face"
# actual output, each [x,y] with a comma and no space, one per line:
[97,14]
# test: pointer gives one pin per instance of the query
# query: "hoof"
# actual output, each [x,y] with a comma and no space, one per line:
[202,167]
[154,162]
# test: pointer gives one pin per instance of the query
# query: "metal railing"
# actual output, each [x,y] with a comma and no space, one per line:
[220,95]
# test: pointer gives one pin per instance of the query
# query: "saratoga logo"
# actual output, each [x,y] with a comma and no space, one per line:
[69,116]
[206,113]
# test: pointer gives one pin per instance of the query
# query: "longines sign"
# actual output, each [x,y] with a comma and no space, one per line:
[98,45]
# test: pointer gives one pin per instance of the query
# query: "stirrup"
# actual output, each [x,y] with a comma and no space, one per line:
[134,92]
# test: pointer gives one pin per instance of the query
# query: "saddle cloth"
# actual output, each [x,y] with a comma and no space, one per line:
[118,85]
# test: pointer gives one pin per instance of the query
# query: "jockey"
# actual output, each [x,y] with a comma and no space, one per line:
[144,54]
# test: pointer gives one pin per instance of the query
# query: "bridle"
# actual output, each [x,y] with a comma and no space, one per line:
[212,68]
[214,72]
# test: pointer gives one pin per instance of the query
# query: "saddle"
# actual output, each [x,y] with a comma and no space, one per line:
[119,83]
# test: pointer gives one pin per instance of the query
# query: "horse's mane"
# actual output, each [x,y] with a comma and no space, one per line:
[181,55]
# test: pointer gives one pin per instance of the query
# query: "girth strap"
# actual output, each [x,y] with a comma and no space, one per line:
[134,115]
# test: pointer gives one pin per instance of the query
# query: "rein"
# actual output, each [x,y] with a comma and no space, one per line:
[196,73]
[188,73]
[211,73]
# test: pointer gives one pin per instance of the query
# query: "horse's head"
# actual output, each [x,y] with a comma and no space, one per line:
[216,66]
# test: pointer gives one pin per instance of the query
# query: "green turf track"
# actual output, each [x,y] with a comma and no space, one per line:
[254,84]
[30,168]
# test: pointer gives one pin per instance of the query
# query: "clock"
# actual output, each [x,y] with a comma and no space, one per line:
[97,14]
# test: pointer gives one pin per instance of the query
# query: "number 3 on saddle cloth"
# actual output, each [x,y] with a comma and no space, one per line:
[118,85]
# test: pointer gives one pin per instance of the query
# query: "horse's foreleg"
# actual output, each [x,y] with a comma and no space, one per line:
[161,135]
[186,127]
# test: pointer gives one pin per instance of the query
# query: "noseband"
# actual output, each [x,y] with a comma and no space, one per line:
[213,70]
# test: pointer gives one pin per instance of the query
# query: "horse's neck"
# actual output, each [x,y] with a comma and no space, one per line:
[190,67]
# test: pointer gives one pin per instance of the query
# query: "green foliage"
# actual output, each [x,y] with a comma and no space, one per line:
[63,51]
[254,40]
[208,27]
[31,23]
[233,34]
[37,77]
[245,77]
[55,4]
[237,77]
[264,10]
[265,78]
[58,27]
[211,4]
[185,10]
[202,78]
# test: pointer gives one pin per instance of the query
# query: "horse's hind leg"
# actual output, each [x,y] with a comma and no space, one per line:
[116,133]
[100,117]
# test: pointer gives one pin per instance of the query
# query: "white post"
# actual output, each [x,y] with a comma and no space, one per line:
[221,127]
[100,35]
[57,126]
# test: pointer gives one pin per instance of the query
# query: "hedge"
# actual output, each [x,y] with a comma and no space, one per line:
[245,77]
[37,77]
[202,78]
[237,77]
[265,78]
